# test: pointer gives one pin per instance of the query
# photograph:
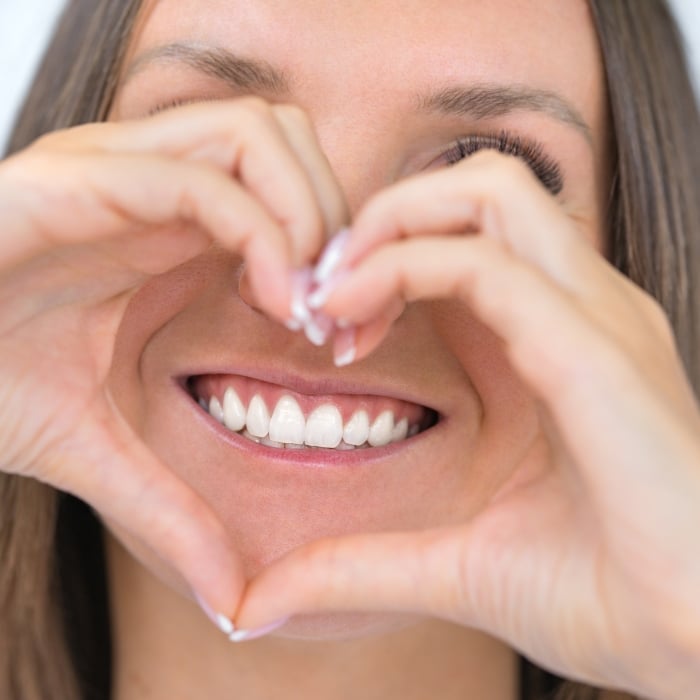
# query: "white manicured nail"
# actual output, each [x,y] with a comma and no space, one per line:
[318,329]
[344,348]
[219,619]
[224,624]
[331,256]
[319,296]
[317,299]
[301,285]
[248,635]
[315,334]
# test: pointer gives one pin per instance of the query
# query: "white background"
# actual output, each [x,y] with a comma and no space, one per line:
[25,26]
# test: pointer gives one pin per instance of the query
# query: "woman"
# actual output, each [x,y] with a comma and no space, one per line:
[524,424]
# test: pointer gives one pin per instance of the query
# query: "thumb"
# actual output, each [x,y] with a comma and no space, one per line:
[108,466]
[407,572]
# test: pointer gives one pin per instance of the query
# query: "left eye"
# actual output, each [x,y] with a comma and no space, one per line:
[543,166]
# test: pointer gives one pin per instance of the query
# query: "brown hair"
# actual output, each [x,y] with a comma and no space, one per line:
[54,622]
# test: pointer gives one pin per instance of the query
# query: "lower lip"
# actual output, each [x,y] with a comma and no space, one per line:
[317,457]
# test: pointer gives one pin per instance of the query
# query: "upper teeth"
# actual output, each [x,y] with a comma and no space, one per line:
[287,425]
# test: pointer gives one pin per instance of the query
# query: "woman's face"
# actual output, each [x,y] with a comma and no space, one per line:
[370,74]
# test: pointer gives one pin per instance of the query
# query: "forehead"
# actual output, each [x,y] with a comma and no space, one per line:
[357,46]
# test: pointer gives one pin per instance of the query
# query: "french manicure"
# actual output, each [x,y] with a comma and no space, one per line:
[331,256]
[319,296]
[344,347]
[301,285]
[318,329]
[247,635]
[219,619]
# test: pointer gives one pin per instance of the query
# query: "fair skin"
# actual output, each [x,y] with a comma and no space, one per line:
[513,529]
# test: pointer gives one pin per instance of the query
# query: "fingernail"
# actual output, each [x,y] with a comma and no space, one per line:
[247,635]
[331,256]
[344,348]
[319,296]
[293,325]
[301,285]
[219,619]
[317,299]
[318,329]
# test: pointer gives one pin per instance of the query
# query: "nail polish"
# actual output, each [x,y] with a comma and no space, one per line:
[219,619]
[320,295]
[331,256]
[344,348]
[318,298]
[301,286]
[318,328]
[248,635]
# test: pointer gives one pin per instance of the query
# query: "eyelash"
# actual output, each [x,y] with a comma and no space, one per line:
[543,166]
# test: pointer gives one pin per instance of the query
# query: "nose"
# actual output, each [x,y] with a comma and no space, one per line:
[360,145]
[360,156]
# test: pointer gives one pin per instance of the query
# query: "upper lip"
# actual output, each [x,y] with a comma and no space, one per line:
[317,384]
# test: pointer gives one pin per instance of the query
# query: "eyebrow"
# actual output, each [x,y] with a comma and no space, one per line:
[476,102]
[238,72]
[487,101]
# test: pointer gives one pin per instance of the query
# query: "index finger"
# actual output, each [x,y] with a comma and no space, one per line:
[490,194]
[244,138]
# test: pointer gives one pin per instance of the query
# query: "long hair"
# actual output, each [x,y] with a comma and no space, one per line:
[54,620]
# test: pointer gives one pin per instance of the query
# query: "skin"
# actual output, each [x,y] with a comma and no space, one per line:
[127,294]
[363,129]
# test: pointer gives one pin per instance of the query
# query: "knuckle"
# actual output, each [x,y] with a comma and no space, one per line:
[294,114]
[382,205]
[252,112]
[252,104]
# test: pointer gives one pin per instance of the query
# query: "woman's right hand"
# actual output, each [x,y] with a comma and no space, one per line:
[87,216]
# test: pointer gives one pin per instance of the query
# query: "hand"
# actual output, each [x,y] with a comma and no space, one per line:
[88,216]
[592,567]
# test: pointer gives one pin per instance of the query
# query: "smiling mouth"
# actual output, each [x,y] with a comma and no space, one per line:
[274,416]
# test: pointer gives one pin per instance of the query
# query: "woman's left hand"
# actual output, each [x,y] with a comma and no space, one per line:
[593,568]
